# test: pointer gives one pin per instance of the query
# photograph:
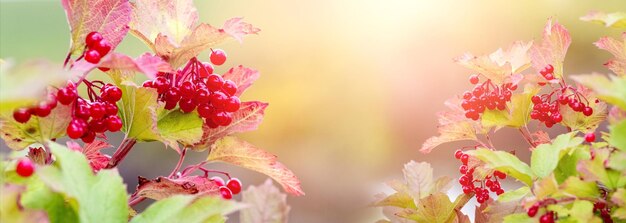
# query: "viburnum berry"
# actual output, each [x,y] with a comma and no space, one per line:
[232,104]
[111,93]
[43,109]
[218,181]
[464,158]
[473,79]
[590,137]
[532,211]
[92,38]
[88,137]
[113,123]
[234,185]
[67,95]
[499,174]
[485,96]
[458,153]
[229,87]
[218,56]
[92,56]
[25,167]
[214,82]
[103,47]
[547,217]
[226,193]
[206,70]
[21,115]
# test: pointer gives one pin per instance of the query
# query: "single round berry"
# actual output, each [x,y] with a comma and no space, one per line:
[43,109]
[547,218]
[21,115]
[218,181]
[147,84]
[226,193]
[590,137]
[113,123]
[467,190]
[104,69]
[232,104]
[222,118]
[214,82]
[205,110]
[97,125]
[92,38]
[25,167]
[205,70]
[234,185]
[218,56]
[202,96]
[103,47]
[473,79]
[88,137]
[463,169]
[499,174]
[111,93]
[464,158]
[218,99]
[536,99]
[92,56]
[187,105]
[161,84]
[97,110]
[110,108]
[458,153]
[76,128]
[82,111]
[172,95]
[229,87]
[66,95]
[587,111]
[187,90]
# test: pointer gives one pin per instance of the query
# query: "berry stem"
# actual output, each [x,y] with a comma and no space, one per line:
[181,159]
[134,200]
[527,136]
[121,152]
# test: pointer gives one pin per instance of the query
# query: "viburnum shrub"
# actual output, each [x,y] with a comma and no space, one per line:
[576,176]
[189,105]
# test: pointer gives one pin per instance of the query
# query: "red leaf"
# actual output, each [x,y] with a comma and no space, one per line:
[615,47]
[248,118]
[97,160]
[552,50]
[234,151]
[108,17]
[163,187]
[242,76]
[174,19]
[453,126]
[237,29]
[147,64]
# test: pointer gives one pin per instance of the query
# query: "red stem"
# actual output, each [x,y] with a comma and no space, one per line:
[527,137]
[121,152]
[179,164]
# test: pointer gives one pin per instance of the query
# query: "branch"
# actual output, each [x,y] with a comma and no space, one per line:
[527,136]
[121,152]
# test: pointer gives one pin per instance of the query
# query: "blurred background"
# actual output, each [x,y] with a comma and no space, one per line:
[353,85]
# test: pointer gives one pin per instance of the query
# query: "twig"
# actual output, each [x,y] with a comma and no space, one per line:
[180,163]
[121,152]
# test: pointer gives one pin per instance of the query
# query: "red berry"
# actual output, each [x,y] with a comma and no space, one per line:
[187,90]
[463,169]
[111,93]
[218,99]
[222,118]
[103,47]
[234,185]
[218,57]
[599,205]
[172,95]
[214,82]
[187,105]
[218,181]
[147,84]
[66,95]
[499,174]
[587,111]
[21,115]
[209,122]
[549,69]
[93,37]
[88,137]
[464,180]
[82,111]
[205,70]
[549,76]
[97,110]
[536,99]
[547,218]
[76,128]
[113,123]
[557,117]
[226,193]
[473,79]
[202,96]
[467,190]
[205,110]
[43,109]
[97,125]
[110,108]
[590,137]
[458,153]
[92,56]
[229,87]
[104,69]
[25,167]
[161,84]
[464,158]
[232,104]
[169,105]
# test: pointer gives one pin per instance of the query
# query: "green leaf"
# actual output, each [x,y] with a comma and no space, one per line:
[545,187]
[519,218]
[618,133]
[177,127]
[617,161]
[582,189]
[138,112]
[612,90]
[514,195]
[436,207]
[517,113]
[38,196]
[98,198]
[505,162]
[579,121]
[189,208]
[594,170]
[568,162]
[582,211]
[19,136]
[545,157]
[614,20]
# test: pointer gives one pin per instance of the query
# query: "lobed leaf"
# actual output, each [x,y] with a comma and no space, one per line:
[500,65]
[617,139]
[108,17]
[190,209]
[242,76]
[234,151]
[552,50]
[18,136]
[517,113]
[505,162]
[611,90]
[247,118]
[267,204]
[618,49]
[177,127]
[97,160]
[11,209]
[147,64]
[39,197]
[163,187]
[614,20]
[72,176]
[173,19]
[137,109]
[545,158]
[435,207]
[453,126]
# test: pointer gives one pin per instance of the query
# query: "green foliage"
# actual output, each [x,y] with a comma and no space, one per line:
[505,162]
[187,208]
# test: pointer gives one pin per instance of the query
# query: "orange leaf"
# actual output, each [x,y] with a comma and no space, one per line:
[552,50]
[234,151]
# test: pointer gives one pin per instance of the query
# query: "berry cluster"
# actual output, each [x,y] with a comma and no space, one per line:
[548,111]
[97,115]
[548,216]
[227,189]
[43,109]
[97,47]
[485,96]
[196,87]
[604,210]
[467,181]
